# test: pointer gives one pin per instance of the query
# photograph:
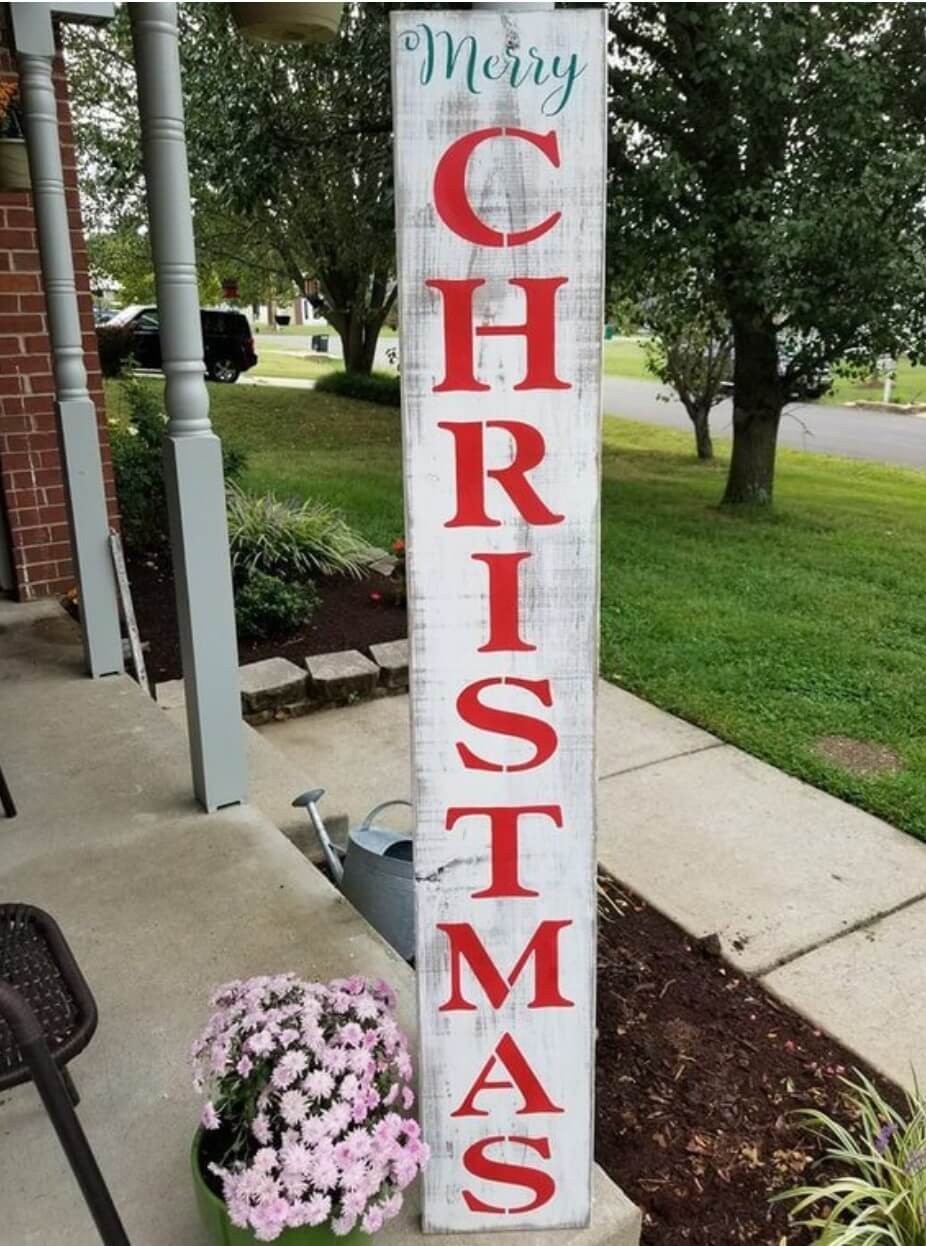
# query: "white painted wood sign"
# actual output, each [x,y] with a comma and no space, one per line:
[500,179]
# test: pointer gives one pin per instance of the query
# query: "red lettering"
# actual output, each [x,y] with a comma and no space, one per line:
[471,473]
[506,722]
[508,1053]
[504,576]
[540,1183]
[543,947]
[503,833]
[452,201]
[539,329]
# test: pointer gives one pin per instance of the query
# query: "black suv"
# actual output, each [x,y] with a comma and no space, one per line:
[228,346]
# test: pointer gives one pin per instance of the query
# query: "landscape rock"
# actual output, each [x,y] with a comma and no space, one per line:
[392,659]
[272,684]
[341,676]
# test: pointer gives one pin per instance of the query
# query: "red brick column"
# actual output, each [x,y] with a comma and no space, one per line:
[31,471]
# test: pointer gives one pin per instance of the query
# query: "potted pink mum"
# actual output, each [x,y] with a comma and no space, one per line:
[304,1136]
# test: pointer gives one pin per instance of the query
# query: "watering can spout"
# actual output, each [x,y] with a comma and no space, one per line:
[309,802]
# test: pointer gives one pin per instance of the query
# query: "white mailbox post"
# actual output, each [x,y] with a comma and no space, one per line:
[500,193]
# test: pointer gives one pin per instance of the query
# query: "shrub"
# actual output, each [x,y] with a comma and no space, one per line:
[307,1088]
[880,1196]
[266,606]
[114,346]
[135,443]
[379,387]
[291,540]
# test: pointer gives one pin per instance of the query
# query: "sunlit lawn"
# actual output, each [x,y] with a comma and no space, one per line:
[290,364]
[306,330]
[770,630]
[624,357]
[909,386]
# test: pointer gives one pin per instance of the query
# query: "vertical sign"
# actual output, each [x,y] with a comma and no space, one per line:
[500,174]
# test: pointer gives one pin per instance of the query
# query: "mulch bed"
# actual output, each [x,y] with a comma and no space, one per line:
[346,619]
[698,1070]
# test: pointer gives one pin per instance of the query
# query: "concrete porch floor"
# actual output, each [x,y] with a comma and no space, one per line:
[159,903]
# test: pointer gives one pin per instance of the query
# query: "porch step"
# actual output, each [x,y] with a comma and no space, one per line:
[274,779]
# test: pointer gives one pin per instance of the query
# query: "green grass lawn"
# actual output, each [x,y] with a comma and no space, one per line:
[302,330]
[624,357]
[770,630]
[288,363]
[909,386]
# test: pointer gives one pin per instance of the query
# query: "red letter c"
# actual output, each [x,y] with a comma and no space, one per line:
[452,202]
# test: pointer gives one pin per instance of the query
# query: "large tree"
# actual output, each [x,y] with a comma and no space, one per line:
[777,153]
[290,156]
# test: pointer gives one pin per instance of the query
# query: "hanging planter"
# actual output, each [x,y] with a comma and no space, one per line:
[288,23]
[14,159]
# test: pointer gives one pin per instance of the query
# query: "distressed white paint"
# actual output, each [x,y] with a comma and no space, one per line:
[512,187]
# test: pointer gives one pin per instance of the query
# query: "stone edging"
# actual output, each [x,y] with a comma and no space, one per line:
[277,688]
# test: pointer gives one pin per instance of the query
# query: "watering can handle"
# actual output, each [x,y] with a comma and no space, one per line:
[387,804]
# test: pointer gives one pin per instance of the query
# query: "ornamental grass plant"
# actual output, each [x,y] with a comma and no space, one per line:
[292,540]
[878,1197]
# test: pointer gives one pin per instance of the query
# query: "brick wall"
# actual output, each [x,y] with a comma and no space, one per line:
[31,482]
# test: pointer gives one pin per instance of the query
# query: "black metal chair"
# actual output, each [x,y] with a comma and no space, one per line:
[47,1016]
[6,799]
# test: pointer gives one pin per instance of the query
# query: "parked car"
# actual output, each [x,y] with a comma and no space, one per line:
[228,346]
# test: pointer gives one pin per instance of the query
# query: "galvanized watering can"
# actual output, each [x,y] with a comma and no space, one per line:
[376,874]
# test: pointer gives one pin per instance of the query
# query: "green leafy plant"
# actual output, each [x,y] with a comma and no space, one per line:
[267,606]
[880,1200]
[291,540]
[136,441]
[379,387]
[10,121]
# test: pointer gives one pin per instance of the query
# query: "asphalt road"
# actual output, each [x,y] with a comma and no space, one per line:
[821,430]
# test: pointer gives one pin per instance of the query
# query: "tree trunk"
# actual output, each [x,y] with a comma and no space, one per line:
[358,341]
[702,431]
[758,398]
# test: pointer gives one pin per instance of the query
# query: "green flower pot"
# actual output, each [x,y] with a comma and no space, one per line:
[214,1216]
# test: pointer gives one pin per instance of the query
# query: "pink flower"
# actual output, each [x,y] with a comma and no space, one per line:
[408,1098]
[289,1068]
[293,1107]
[374,1220]
[351,1034]
[210,1117]
[319,1084]
[244,1066]
[317,1209]
[324,1174]
[260,1043]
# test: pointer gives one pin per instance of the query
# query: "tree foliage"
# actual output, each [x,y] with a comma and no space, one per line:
[773,156]
[694,354]
[289,151]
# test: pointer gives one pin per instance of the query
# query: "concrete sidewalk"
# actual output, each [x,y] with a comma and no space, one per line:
[825,903]
[160,903]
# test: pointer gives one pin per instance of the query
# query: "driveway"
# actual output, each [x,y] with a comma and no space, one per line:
[846,431]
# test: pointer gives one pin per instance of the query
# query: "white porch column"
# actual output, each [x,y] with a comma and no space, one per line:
[192,451]
[78,435]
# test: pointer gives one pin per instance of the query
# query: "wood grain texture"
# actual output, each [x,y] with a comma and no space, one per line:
[512,187]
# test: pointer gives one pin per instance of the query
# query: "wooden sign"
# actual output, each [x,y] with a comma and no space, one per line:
[500,177]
